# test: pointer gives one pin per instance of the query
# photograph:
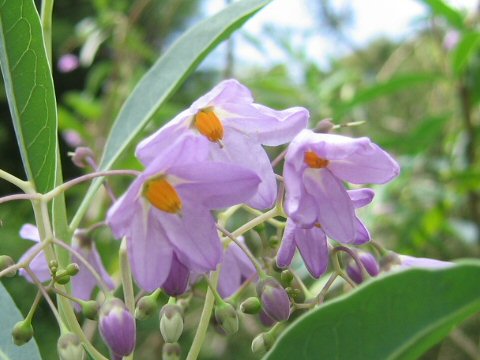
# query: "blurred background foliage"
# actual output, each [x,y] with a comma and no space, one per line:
[418,98]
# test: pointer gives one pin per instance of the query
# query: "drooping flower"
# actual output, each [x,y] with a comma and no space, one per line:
[84,282]
[234,127]
[236,269]
[316,165]
[368,262]
[166,212]
[312,241]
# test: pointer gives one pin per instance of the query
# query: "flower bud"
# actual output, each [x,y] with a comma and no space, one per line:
[90,309]
[22,332]
[171,351]
[265,319]
[262,343]
[146,306]
[53,266]
[324,126]
[286,277]
[72,269]
[227,318]
[251,306]
[69,347]
[273,241]
[274,298]
[5,262]
[171,323]
[117,327]
[369,263]
[62,280]
[81,155]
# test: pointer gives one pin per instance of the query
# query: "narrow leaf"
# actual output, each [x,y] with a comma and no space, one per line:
[167,74]
[30,91]
[450,14]
[10,316]
[398,316]
[464,50]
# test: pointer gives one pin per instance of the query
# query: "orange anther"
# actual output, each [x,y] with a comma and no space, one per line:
[314,161]
[162,195]
[209,125]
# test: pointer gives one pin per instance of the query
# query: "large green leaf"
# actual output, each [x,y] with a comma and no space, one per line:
[30,91]
[167,74]
[10,316]
[398,316]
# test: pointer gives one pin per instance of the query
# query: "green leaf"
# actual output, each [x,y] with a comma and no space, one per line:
[451,15]
[169,72]
[30,91]
[10,316]
[398,316]
[464,51]
[385,88]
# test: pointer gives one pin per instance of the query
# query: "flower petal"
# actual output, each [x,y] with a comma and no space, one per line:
[227,91]
[194,236]
[313,246]
[335,209]
[287,247]
[361,197]
[265,125]
[38,265]
[29,232]
[230,277]
[362,235]
[214,184]
[241,150]
[177,280]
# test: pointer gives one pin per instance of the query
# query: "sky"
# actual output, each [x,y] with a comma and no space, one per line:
[395,19]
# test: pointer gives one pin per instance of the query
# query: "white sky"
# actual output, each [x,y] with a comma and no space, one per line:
[372,18]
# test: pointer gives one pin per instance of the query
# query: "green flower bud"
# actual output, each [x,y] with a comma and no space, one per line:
[90,309]
[72,269]
[146,306]
[251,306]
[227,318]
[22,332]
[5,262]
[171,323]
[62,280]
[273,241]
[171,351]
[286,277]
[53,265]
[262,343]
[69,347]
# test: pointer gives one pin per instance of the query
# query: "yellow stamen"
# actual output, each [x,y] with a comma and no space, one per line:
[318,225]
[162,195]
[314,161]
[209,125]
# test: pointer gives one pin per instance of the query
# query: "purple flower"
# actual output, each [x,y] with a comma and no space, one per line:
[407,262]
[312,242]
[166,212]
[236,269]
[368,262]
[316,165]
[84,282]
[234,127]
[117,327]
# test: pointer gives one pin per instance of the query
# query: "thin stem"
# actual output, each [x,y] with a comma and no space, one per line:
[204,319]
[214,291]
[25,186]
[242,246]
[34,306]
[256,221]
[20,197]
[354,256]
[66,295]
[224,216]
[85,262]
[128,293]
[67,185]
[46,17]
[339,271]
[349,124]
[27,261]
[300,282]
[276,223]
[323,292]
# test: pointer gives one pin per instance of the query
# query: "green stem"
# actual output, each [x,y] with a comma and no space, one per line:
[276,223]
[204,320]
[128,293]
[323,292]
[216,295]
[26,186]
[256,221]
[34,306]
[46,17]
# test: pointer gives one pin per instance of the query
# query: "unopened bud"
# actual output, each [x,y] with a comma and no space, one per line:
[90,309]
[368,262]
[265,319]
[324,126]
[286,277]
[62,280]
[80,156]
[146,306]
[117,327]
[171,323]
[171,351]
[273,241]
[69,347]
[5,262]
[72,269]
[274,299]
[227,318]
[251,306]
[262,343]
[22,332]
[53,266]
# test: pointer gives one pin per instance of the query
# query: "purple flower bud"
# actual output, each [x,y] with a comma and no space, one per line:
[274,299]
[72,138]
[68,63]
[81,155]
[177,280]
[369,263]
[265,319]
[117,327]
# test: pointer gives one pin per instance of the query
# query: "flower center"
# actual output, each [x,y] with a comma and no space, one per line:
[209,125]
[314,161]
[162,195]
